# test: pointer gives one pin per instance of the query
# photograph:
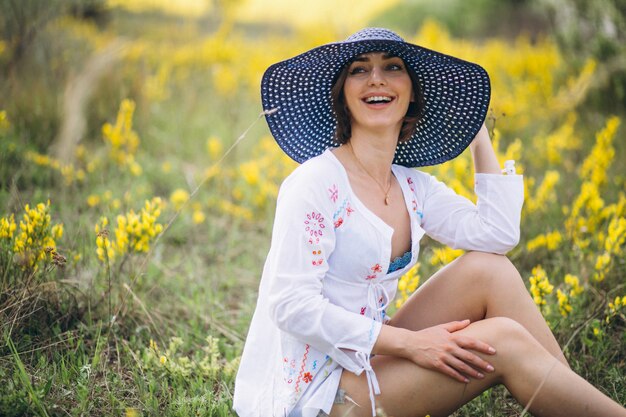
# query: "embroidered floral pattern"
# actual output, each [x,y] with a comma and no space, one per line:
[376,269]
[302,373]
[416,207]
[317,257]
[411,183]
[343,211]
[307,377]
[314,226]
[333,193]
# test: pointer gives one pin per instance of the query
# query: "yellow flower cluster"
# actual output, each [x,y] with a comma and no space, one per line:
[613,247]
[573,289]
[133,233]
[7,227]
[256,180]
[574,284]
[407,284]
[36,237]
[122,139]
[564,303]
[208,364]
[544,195]
[444,255]
[585,214]
[68,171]
[550,241]
[556,143]
[615,308]
[540,286]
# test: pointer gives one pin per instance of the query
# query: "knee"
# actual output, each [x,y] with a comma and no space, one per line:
[510,338]
[489,265]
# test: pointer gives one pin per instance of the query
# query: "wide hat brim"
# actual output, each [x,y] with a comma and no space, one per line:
[456,99]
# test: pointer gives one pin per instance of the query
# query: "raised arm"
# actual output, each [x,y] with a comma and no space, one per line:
[485,161]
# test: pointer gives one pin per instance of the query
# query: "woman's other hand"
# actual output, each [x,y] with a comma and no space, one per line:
[440,348]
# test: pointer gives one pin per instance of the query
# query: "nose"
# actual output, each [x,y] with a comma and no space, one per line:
[377,77]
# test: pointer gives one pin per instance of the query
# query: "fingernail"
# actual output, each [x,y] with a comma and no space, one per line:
[480,375]
[492,350]
[466,381]
[490,368]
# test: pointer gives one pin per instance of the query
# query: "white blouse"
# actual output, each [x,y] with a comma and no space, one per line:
[325,286]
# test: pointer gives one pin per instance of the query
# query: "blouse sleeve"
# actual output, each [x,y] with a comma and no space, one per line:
[303,239]
[490,225]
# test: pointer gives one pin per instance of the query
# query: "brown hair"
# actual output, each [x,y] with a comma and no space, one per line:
[343,131]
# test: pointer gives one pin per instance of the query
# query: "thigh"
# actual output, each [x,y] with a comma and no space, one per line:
[409,390]
[455,292]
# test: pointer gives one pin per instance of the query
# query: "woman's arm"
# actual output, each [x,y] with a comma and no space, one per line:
[485,161]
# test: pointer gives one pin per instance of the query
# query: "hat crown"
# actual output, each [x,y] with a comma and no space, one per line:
[374,34]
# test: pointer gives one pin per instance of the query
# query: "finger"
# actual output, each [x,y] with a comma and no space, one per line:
[464,368]
[476,361]
[474,344]
[452,373]
[455,326]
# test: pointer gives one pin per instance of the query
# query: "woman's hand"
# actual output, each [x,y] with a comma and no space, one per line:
[442,349]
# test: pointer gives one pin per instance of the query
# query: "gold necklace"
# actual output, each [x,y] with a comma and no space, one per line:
[385,191]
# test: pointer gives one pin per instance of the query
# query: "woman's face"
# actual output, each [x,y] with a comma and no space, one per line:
[377,91]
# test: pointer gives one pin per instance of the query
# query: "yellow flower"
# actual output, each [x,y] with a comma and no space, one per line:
[540,286]
[162,359]
[4,121]
[544,194]
[214,147]
[574,283]
[178,198]
[445,255]
[250,172]
[7,227]
[198,217]
[132,412]
[564,305]
[93,200]
[407,284]
[133,233]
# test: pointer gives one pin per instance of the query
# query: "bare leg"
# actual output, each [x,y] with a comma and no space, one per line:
[521,364]
[476,286]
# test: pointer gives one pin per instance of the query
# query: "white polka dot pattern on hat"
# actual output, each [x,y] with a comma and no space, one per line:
[456,98]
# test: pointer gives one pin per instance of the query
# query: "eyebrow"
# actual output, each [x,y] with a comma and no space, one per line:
[365,58]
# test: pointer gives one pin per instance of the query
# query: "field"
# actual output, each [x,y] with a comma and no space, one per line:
[138,183]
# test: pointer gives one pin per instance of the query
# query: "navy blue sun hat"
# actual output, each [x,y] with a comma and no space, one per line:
[456,98]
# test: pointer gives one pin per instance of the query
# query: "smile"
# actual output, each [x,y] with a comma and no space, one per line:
[378,99]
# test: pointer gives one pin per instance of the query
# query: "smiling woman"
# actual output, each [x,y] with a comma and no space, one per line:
[410,116]
[359,115]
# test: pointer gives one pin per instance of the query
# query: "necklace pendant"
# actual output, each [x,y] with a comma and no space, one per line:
[386,200]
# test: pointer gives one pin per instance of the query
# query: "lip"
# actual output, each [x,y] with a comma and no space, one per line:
[378,94]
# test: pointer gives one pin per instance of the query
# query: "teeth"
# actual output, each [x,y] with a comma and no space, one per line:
[377,98]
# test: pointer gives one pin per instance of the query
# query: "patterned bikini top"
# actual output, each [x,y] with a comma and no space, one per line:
[400,262]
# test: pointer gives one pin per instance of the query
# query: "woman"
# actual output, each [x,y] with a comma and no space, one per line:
[357,115]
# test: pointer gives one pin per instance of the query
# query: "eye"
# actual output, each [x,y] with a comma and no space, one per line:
[357,69]
[395,67]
